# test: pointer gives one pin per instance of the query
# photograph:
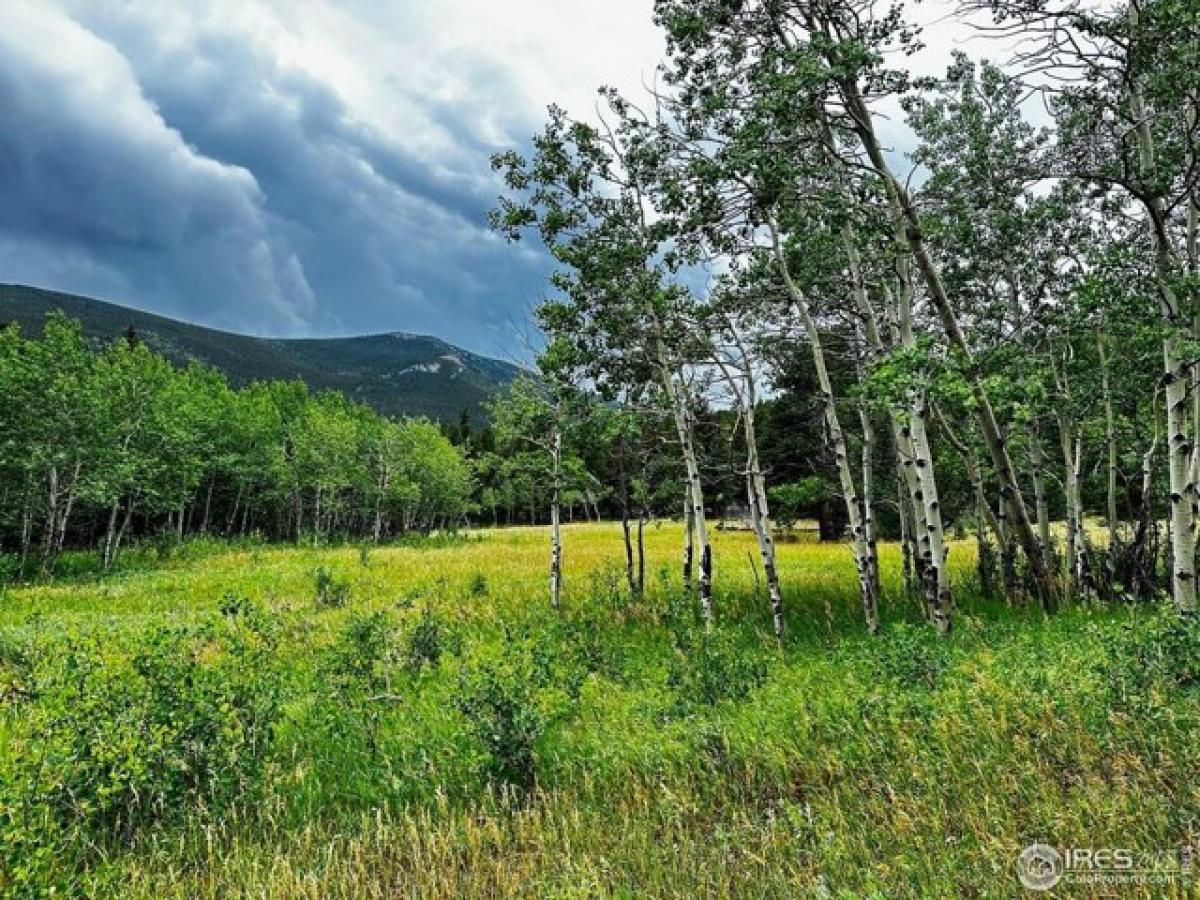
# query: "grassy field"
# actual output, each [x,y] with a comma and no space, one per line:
[206,725]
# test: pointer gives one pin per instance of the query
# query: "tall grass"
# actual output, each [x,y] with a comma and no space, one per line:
[663,762]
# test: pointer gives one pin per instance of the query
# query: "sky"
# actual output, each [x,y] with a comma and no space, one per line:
[298,167]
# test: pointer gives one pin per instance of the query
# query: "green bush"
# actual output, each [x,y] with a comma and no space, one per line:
[113,742]
[427,641]
[711,666]
[355,673]
[1161,648]
[496,698]
[908,656]
[331,591]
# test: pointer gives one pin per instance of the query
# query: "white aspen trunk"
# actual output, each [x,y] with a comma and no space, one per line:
[935,549]
[1071,496]
[699,522]
[1182,489]
[26,529]
[556,520]
[1110,438]
[1082,554]
[60,538]
[904,504]
[110,534]
[1177,373]
[868,494]
[689,536]
[1037,473]
[906,464]
[120,536]
[694,492]
[756,487]
[908,226]
[207,507]
[932,539]
[854,512]
[51,517]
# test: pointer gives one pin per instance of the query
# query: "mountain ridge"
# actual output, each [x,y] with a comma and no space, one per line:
[396,372]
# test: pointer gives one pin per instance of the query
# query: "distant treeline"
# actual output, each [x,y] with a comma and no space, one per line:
[96,447]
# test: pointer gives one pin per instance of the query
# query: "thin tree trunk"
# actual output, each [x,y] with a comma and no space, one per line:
[689,536]
[694,494]
[746,397]
[641,543]
[48,530]
[868,493]
[26,528]
[110,535]
[1177,374]
[120,536]
[907,556]
[556,519]
[909,230]
[854,508]
[1110,438]
[1037,474]
[207,506]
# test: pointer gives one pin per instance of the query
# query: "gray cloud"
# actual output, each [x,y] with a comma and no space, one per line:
[201,178]
[296,167]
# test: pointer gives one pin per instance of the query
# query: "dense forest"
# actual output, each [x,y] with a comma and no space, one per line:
[100,446]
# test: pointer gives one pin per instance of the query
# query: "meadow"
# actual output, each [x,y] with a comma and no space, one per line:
[414,720]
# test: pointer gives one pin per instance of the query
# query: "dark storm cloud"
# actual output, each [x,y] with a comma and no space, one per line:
[200,178]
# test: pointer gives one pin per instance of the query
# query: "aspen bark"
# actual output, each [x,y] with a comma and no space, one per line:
[908,224]
[756,488]
[696,525]
[556,519]
[1177,374]
[854,509]
[931,541]
[868,495]
[1110,438]
[110,532]
[51,518]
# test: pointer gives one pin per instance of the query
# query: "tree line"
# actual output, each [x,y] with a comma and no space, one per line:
[1003,325]
[99,445]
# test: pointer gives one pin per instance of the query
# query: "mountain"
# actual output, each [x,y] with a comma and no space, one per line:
[397,374]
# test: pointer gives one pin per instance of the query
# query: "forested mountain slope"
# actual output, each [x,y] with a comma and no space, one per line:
[397,374]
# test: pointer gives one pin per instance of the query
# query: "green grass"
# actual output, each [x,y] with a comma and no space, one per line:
[664,763]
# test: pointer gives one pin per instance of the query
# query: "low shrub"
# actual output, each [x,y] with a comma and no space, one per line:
[711,666]
[496,698]
[355,673]
[427,640]
[116,740]
[331,591]
[912,656]
[1161,648]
